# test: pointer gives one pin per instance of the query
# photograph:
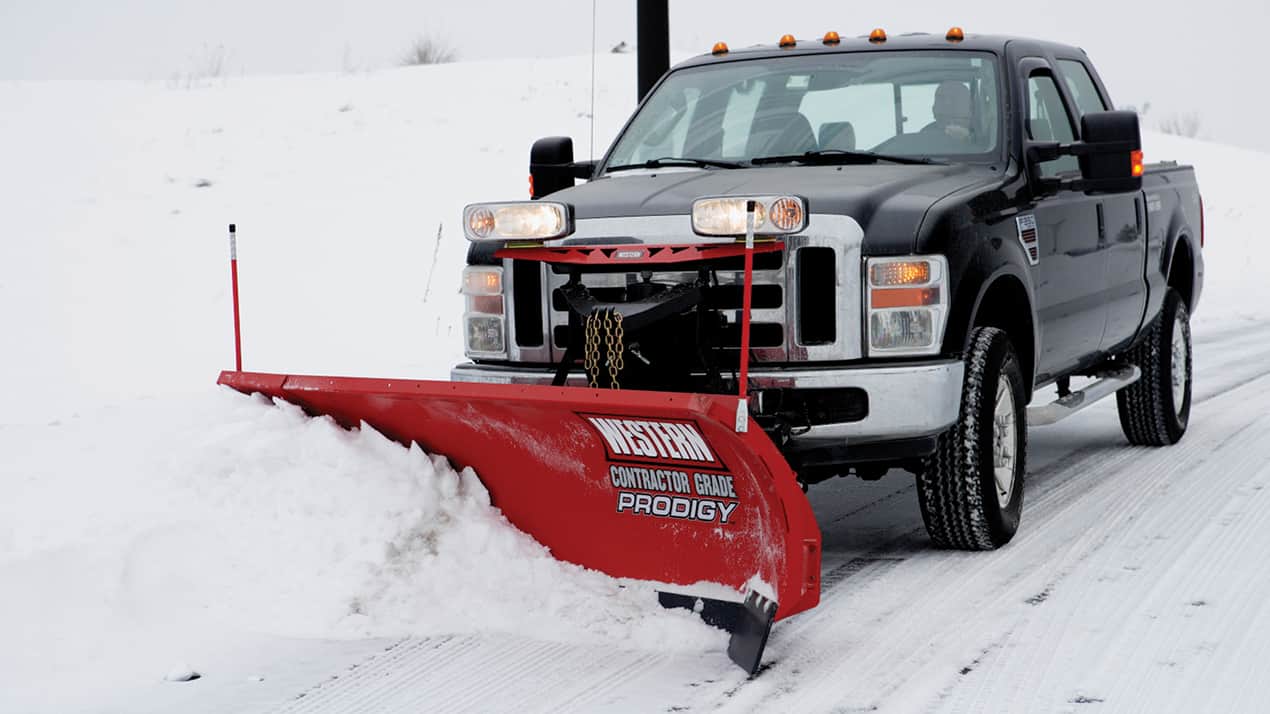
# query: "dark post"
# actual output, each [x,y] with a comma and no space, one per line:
[652,27]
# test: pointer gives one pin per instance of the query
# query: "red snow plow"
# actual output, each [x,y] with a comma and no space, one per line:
[667,487]
[645,485]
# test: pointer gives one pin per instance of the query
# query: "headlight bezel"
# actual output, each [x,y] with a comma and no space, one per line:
[501,219]
[920,300]
[483,288]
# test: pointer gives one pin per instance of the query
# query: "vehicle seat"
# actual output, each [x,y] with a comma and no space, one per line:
[780,134]
[837,135]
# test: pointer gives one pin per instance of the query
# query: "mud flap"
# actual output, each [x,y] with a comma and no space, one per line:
[652,486]
[748,623]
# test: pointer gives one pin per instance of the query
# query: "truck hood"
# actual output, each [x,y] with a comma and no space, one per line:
[889,201]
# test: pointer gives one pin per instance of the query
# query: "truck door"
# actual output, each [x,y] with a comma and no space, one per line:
[1062,228]
[1121,225]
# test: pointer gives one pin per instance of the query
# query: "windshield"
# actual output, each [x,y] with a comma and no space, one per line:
[936,105]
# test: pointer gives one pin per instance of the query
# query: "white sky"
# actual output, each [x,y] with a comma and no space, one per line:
[1204,57]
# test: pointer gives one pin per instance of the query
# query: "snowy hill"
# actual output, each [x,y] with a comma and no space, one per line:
[153,519]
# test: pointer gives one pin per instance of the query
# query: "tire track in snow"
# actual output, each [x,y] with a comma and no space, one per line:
[1180,556]
[872,644]
[488,673]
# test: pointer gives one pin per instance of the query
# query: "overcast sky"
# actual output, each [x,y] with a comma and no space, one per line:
[1204,57]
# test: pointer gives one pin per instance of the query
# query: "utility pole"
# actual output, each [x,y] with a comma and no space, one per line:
[652,28]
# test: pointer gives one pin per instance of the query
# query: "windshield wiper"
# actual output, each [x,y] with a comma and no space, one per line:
[678,161]
[834,156]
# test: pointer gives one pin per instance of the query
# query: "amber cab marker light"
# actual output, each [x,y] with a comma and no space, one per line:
[831,38]
[788,41]
[720,48]
[1137,167]
[955,34]
[877,36]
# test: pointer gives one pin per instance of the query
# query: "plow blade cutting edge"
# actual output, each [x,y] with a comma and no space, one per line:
[652,486]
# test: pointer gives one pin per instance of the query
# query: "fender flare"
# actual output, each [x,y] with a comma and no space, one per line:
[974,287]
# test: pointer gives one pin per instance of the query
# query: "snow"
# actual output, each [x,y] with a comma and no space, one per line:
[243,516]
[155,524]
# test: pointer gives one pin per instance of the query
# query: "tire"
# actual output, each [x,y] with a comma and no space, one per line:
[1154,411]
[962,505]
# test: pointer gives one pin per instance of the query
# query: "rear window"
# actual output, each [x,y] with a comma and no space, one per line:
[1081,86]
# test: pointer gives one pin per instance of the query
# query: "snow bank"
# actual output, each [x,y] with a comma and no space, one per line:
[1236,251]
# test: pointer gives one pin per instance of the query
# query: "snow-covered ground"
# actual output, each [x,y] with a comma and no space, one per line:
[154,522]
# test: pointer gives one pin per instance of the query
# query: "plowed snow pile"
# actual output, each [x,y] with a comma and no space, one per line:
[251,515]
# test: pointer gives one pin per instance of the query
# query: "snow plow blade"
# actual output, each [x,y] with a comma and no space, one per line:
[647,485]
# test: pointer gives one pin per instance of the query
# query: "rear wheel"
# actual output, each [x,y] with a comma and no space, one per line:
[971,488]
[1155,410]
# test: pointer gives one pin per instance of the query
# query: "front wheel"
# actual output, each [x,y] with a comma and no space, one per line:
[971,488]
[1155,410]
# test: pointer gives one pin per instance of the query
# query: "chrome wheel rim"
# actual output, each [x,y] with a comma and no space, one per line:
[1004,442]
[1178,365]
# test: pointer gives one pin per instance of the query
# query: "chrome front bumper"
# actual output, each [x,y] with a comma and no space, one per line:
[905,400]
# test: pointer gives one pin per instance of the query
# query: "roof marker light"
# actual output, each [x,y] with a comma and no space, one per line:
[878,36]
[788,41]
[720,48]
[831,38]
[955,34]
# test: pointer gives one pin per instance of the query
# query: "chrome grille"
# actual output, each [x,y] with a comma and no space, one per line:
[775,324]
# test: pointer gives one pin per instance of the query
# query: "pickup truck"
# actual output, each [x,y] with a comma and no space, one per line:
[942,226]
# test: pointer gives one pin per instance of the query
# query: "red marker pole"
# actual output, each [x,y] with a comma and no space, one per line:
[233,276]
[742,406]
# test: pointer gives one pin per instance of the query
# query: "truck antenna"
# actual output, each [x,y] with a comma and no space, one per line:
[592,147]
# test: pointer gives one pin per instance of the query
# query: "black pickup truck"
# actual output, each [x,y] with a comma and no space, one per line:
[944,225]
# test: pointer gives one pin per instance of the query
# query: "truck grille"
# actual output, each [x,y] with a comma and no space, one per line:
[805,302]
[767,326]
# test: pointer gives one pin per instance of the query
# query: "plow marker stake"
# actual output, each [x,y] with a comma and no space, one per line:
[233,278]
[652,486]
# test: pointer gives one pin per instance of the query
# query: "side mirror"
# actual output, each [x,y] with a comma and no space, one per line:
[1112,160]
[551,166]
[1110,157]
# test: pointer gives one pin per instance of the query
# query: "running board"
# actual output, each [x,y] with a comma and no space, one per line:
[1063,407]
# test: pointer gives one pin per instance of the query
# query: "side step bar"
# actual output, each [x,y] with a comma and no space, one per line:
[1063,407]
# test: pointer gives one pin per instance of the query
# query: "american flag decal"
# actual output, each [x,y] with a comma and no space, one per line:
[1027,236]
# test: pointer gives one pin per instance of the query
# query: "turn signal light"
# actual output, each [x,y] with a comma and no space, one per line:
[786,213]
[831,38]
[720,48]
[479,280]
[481,220]
[955,34]
[788,41]
[908,272]
[878,36]
[1137,166]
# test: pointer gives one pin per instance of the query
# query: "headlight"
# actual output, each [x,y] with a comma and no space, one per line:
[525,220]
[726,215]
[484,325]
[908,304]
